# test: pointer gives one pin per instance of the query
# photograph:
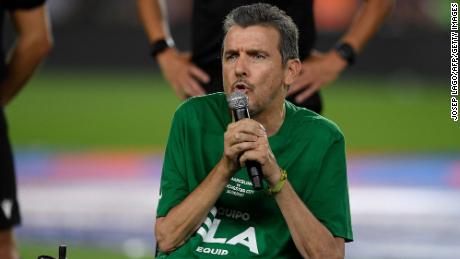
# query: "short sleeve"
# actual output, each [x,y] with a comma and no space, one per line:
[173,185]
[21,4]
[330,201]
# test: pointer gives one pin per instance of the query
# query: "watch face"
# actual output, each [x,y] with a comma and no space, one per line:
[159,46]
[346,51]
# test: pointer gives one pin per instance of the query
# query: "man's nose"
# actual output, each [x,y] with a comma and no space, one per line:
[241,66]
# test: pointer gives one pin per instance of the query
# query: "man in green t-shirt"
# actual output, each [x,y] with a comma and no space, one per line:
[207,205]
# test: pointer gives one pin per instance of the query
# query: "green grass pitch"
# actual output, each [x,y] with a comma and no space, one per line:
[33,250]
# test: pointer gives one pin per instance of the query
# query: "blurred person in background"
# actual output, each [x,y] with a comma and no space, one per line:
[200,72]
[32,44]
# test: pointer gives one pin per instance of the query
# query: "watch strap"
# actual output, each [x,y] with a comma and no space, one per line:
[346,51]
[159,46]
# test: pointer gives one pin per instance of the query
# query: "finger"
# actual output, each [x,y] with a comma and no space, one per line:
[194,87]
[299,84]
[183,88]
[250,155]
[294,88]
[182,96]
[199,74]
[239,148]
[249,126]
[187,55]
[307,93]
[240,137]
[178,90]
[231,126]
[185,82]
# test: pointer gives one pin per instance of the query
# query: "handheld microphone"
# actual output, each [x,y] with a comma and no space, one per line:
[238,102]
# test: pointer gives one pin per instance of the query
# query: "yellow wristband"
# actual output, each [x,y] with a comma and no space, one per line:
[279,185]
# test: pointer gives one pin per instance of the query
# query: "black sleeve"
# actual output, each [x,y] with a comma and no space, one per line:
[21,4]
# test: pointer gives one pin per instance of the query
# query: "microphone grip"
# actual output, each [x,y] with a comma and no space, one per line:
[253,167]
[255,174]
[240,114]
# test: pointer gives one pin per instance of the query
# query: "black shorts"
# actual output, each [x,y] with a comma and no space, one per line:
[9,207]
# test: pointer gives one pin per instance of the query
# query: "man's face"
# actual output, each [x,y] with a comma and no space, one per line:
[251,63]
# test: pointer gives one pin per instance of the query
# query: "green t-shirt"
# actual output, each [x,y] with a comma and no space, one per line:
[245,223]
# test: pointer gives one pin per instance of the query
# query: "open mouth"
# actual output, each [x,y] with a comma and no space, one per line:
[241,87]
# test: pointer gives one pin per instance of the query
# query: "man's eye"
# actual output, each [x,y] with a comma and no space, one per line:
[259,56]
[230,57]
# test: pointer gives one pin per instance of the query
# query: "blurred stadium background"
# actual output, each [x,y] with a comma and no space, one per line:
[90,129]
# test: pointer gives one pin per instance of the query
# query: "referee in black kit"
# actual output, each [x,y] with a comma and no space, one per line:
[200,73]
[33,42]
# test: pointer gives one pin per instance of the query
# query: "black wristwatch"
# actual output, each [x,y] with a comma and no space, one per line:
[347,52]
[159,46]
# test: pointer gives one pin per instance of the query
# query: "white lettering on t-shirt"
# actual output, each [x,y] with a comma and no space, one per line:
[214,251]
[239,187]
[246,238]
[234,214]
[209,238]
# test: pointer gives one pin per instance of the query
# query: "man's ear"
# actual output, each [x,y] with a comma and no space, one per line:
[292,70]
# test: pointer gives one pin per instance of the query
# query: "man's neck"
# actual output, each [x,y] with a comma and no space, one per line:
[272,120]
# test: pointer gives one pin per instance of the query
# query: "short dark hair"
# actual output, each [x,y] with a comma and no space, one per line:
[270,16]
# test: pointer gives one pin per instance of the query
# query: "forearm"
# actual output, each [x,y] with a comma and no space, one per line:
[25,58]
[184,219]
[367,21]
[311,237]
[152,14]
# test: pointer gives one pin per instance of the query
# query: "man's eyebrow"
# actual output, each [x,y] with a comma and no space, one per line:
[257,51]
[230,51]
[249,51]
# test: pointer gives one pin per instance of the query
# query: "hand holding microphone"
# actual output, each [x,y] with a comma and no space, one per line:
[243,137]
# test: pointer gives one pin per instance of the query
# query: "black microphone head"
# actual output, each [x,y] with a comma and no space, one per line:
[237,100]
